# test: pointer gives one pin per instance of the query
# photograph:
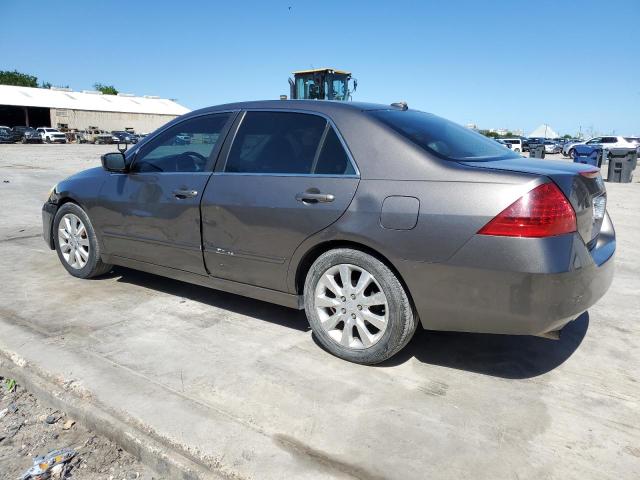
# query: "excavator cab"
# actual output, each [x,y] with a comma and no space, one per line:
[322,84]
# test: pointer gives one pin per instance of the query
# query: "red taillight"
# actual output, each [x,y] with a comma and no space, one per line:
[542,212]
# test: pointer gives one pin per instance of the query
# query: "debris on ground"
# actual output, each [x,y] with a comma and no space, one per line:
[50,465]
[42,443]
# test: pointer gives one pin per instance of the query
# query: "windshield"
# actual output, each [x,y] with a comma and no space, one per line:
[443,138]
[338,88]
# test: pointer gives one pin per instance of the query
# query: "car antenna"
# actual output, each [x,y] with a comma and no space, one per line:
[401,105]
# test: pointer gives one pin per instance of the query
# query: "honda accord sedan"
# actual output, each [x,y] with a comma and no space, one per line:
[374,219]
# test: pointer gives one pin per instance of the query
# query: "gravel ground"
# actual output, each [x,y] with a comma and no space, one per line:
[29,429]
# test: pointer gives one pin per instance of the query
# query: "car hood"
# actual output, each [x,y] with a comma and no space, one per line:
[89,173]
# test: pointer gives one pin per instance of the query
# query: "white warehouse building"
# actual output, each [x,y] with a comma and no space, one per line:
[65,109]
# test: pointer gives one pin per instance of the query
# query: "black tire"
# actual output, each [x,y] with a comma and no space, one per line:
[402,321]
[572,153]
[47,140]
[94,266]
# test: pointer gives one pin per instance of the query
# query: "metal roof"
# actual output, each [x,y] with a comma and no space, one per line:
[67,99]
[330,70]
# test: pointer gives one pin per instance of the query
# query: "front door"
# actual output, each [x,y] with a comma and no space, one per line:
[152,213]
[286,177]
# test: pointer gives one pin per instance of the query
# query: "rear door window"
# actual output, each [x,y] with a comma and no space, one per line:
[276,143]
[333,159]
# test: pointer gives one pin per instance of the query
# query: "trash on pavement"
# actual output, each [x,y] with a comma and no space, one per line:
[68,424]
[44,465]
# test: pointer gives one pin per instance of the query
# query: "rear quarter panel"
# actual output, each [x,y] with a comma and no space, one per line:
[450,213]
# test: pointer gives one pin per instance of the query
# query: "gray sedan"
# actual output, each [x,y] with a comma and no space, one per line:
[374,219]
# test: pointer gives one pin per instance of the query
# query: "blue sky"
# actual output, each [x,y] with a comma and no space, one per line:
[510,64]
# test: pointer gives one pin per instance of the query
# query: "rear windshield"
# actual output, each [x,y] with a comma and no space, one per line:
[443,138]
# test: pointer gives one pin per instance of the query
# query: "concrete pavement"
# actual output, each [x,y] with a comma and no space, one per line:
[201,383]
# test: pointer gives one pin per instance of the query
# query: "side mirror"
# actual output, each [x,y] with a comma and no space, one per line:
[114,162]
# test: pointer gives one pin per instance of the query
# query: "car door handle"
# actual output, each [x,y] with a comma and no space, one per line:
[309,197]
[182,194]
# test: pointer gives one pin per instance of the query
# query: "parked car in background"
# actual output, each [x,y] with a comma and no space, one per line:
[183,139]
[302,212]
[6,135]
[551,146]
[517,144]
[536,140]
[99,137]
[52,135]
[610,141]
[27,135]
[503,143]
[125,137]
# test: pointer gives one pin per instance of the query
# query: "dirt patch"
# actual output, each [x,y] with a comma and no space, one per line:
[29,429]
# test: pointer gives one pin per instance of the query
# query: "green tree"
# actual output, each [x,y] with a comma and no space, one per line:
[106,89]
[567,136]
[18,79]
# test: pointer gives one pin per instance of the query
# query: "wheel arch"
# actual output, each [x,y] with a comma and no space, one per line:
[61,201]
[314,252]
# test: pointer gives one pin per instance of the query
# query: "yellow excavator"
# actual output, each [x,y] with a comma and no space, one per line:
[322,84]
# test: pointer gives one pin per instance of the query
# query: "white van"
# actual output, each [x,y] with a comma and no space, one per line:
[516,144]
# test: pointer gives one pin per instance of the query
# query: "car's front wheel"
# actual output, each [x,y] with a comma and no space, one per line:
[76,242]
[357,307]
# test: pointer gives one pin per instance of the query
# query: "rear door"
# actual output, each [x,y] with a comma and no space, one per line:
[286,176]
[152,213]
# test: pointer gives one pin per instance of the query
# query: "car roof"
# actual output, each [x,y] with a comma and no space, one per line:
[327,107]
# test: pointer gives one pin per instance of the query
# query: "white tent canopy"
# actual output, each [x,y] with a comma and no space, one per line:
[544,131]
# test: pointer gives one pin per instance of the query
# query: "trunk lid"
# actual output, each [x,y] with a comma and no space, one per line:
[584,190]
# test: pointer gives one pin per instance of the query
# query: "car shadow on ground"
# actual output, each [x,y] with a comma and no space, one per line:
[269,312]
[505,356]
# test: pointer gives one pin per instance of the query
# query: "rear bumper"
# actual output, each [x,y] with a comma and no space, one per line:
[48,213]
[512,286]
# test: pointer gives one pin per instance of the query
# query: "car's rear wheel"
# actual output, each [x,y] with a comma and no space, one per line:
[76,242]
[47,140]
[572,153]
[357,307]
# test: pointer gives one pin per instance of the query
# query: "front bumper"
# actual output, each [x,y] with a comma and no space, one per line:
[48,213]
[513,285]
